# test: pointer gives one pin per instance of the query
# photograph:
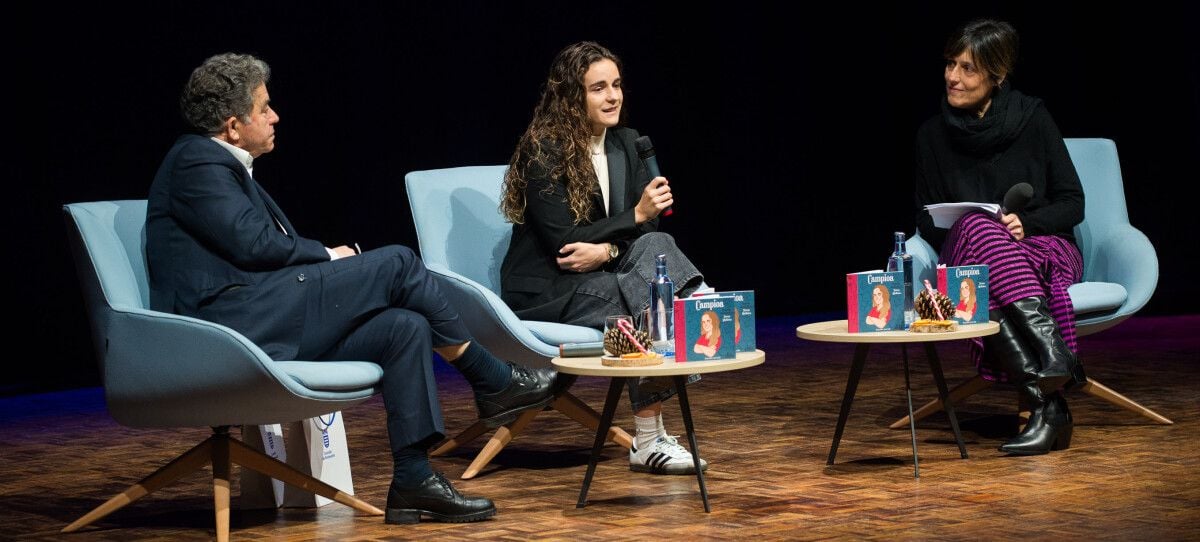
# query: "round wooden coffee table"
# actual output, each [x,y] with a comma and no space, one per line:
[678,371]
[835,331]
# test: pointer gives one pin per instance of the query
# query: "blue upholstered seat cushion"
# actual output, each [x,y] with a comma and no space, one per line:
[332,375]
[556,334]
[1090,297]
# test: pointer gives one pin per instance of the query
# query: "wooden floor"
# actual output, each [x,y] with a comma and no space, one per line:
[766,432]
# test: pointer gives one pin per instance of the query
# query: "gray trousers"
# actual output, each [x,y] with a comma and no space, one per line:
[626,291]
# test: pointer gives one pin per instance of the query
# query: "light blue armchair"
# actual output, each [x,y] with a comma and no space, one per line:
[164,370]
[463,239]
[1120,267]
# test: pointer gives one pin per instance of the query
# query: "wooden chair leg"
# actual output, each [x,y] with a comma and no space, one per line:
[579,411]
[569,405]
[1094,388]
[499,440]
[467,435]
[221,451]
[956,396]
[566,403]
[190,461]
[220,474]
[250,458]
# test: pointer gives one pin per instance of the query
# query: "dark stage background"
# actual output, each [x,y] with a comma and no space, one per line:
[787,134]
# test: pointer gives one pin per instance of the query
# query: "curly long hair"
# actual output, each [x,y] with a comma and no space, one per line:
[556,141]
[885,305]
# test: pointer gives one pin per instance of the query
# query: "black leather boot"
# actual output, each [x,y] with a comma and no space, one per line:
[1008,351]
[1049,425]
[1058,363]
[436,499]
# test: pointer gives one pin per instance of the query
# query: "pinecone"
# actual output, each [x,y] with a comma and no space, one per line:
[924,306]
[616,343]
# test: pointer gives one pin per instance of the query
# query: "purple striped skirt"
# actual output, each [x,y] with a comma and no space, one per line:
[1042,265]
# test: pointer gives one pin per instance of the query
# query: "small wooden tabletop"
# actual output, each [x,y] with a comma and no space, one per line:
[835,331]
[669,367]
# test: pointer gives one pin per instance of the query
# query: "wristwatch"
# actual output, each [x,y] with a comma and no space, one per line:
[612,251]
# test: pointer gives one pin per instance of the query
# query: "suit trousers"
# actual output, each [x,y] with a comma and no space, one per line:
[384,306]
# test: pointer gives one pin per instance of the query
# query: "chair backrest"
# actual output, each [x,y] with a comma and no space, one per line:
[108,240]
[1104,196]
[113,234]
[459,225]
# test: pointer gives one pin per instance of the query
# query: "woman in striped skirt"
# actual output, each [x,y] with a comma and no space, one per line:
[988,138]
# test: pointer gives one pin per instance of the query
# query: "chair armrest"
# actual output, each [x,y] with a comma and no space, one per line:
[491,321]
[1127,257]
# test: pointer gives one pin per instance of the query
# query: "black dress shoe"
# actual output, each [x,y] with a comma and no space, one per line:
[527,388]
[437,499]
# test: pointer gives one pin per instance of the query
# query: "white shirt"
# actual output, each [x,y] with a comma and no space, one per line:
[600,164]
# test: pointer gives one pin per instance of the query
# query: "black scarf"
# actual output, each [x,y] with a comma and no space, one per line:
[1005,118]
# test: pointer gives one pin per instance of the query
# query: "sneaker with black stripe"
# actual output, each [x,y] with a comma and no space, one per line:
[664,456]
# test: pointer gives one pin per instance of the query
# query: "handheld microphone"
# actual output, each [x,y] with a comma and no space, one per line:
[645,150]
[1017,198]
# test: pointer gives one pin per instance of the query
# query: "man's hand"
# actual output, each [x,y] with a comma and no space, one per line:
[344,251]
[582,257]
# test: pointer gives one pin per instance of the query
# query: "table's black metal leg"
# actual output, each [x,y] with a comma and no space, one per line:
[936,366]
[856,368]
[912,423]
[686,408]
[610,408]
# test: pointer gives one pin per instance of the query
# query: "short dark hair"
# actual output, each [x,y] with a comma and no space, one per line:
[993,45]
[222,87]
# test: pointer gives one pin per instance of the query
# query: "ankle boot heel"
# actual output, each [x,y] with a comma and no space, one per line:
[402,516]
[1063,439]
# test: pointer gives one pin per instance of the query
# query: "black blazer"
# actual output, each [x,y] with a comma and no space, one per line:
[215,251]
[531,282]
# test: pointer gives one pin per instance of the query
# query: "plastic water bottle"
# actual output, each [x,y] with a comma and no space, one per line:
[901,260]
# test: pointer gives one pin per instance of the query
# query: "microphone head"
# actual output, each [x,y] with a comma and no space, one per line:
[1018,197]
[645,148]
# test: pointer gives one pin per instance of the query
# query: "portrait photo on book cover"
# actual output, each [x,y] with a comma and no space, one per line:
[881,307]
[967,301]
[710,335]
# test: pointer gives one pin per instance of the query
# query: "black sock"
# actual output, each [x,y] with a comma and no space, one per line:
[485,372]
[410,467]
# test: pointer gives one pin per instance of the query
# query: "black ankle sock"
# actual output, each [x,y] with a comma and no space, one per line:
[485,372]
[410,467]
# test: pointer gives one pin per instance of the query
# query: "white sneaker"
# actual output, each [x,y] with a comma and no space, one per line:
[664,456]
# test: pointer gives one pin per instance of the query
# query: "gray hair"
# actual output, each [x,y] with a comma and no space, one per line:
[222,87]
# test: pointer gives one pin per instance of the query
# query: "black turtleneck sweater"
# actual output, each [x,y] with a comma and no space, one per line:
[962,158]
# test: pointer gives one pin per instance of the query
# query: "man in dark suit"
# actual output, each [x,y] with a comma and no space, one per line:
[220,249]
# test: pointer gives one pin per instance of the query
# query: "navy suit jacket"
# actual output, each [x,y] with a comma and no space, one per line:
[215,251]
[531,281]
